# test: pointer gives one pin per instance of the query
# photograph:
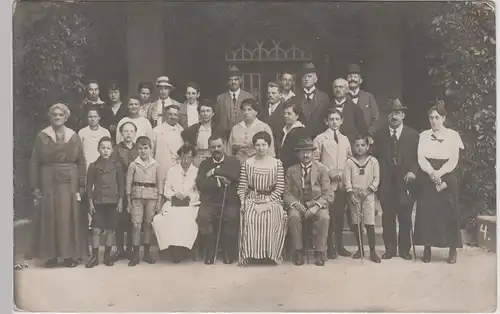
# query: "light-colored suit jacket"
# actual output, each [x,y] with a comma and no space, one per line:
[153,115]
[333,155]
[322,193]
[227,114]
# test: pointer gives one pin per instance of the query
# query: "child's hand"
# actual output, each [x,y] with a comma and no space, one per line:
[157,207]
[119,208]
[353,198]
[129,208]
[363,194]
[91,208]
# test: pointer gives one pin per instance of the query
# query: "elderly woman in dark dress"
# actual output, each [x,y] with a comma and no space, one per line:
[58,177]
[437,221]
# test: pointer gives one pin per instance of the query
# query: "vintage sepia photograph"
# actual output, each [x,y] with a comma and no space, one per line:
[302,156]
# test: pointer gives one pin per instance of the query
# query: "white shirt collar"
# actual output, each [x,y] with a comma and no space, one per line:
[204,128]
[332,132]
[221,160]
[354,92]
[340,103]
[97,102]
[399,130]
[286,97]
[236,92]
[311,90]
[297,124]
[68,133]
[139,161]
[272,107]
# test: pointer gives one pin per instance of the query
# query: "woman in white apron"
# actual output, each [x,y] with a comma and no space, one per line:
[175,226]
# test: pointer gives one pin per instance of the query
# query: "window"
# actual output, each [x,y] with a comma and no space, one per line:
[268,50]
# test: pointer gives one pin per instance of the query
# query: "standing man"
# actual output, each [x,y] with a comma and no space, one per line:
[274,115]
[364,100]
[287,81]
[353,121]
[157,108]
[145,91]
[307,194]
[395,148]
[167,140]
[216,174]
[310,98]
[227,106]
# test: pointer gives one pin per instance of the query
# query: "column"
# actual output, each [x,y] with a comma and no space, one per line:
[145,43]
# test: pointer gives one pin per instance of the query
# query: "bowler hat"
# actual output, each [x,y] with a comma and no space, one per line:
[396,105]
[354,69]
[233,71]
[164,81]
[308,68]
[305,144]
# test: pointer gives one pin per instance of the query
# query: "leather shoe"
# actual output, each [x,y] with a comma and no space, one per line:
[343,252]
[134,260]
[332,254]
[299,258]
[427,255]
[148,258]
[357,255]
[119,255]
[94,261]
[108,261]
[227,261]
[388,255]
[374,257]
[452,257]
[70,263]
[51,263]
[407,256]
[319,259]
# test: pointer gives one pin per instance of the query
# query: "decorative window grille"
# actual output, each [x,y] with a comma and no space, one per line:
[268,50]
[251,83]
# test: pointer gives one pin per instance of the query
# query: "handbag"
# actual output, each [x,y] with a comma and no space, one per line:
[176,202]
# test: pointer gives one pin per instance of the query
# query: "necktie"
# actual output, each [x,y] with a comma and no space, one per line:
[394,146]
[305,172]
[234,99]
[335,137]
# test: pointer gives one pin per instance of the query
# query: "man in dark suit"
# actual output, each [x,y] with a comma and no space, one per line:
[273,114]
[352,115]
[227,107]
[216,174]
[363,99]
[395,148]
[309,97]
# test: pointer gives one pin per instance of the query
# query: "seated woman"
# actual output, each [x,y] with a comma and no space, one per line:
[180,198]
[198,134]
[437,220]
[262,218]
[240,139]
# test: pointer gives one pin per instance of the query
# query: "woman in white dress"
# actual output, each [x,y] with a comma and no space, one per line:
[437,221]
[176,225]
[143,125]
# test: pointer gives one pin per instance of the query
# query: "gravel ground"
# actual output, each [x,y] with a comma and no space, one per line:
[342,285]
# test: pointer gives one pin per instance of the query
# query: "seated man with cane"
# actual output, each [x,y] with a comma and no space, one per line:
[308,191]
[217,181]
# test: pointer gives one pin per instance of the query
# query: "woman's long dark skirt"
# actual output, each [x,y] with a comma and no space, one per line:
[437,221]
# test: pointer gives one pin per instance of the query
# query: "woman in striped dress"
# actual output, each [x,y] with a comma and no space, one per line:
[262,219]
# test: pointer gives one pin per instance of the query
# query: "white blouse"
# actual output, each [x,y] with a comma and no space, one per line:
[445,146]
[179,181]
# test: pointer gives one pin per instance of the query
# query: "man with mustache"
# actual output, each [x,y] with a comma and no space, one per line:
[395,148]
[309,97]
[364,100]
[227,107]
[216,174]
[353,121]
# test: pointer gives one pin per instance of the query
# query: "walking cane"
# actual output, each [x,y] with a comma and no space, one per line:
[360,234]
[220,223]
[240,233]
[306,238]
[411,229]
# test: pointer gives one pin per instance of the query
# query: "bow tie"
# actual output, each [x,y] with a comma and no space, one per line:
[355,95]
[340,105]
[434,138]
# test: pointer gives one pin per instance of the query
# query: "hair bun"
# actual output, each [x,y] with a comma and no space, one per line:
[440,105]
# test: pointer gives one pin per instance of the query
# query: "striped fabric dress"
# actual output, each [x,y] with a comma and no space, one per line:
[262,235]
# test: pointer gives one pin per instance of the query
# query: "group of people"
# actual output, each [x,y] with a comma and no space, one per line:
[241,176]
